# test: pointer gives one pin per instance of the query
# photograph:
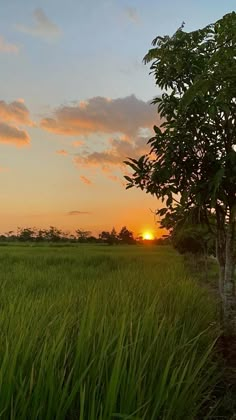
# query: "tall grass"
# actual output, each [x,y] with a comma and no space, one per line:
[93,333]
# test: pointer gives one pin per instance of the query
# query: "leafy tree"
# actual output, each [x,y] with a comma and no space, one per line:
[52,234]
[164,240]
[126,236]
[40,236]
[192,230]
[82,235]
[194,239]
[104,236]
[25,234]
[10,236]
[92,239]
[109,238]
[192,155]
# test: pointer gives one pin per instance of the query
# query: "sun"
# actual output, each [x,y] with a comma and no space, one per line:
[148,236]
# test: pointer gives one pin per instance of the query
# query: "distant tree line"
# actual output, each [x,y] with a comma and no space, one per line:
[53,234]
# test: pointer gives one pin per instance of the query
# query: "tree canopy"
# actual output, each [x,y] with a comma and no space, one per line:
[194,147]
[192,159]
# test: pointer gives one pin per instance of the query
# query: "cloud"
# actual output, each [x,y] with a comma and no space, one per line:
[132,14]
[42,27]
[15,112]
[6,47]
[13,115]
[114,155]
[77,213]
[123,126]
[102,115]
[85,180]
[62,152]
[10,134]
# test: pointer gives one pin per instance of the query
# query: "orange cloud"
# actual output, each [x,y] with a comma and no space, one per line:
[128,120]
[118,151]
[85,180]
[15,112]
[6,47]
[62,152]
[13,115]
[77,213]
[101,115]
[13,135]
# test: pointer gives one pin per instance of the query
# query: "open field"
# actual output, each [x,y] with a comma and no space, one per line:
[98,332]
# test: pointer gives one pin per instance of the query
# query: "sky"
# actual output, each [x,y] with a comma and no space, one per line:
[75,103]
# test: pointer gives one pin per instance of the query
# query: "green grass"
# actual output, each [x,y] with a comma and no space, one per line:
[97,333]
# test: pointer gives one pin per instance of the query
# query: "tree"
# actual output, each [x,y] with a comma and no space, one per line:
[10,236]
[192,155]
[82,235]
[25,234]
[126,236]
[40,235]
[52,234]
[109,238]
[191,231]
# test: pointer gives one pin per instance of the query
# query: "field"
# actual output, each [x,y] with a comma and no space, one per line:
[99,332]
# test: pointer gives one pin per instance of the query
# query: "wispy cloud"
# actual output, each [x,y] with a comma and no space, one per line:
[62,152]
[42,26]
[132,14]
[77,213]
[85,180]
[7,47]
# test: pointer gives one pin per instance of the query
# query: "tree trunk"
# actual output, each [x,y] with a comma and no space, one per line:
[225,253]
[221,250]
[229,298]
[221,279]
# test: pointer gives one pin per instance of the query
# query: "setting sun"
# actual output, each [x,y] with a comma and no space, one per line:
[148,236]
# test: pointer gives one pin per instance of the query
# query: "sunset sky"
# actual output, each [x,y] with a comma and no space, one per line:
[75,102]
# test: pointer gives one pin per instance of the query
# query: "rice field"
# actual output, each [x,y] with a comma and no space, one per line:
[99,332]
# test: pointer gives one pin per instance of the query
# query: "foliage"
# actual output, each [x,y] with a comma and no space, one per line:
[126,236]
[193,239]
[192,230]
[192,159]
[25,234]
[102,333]
[194,153]
[109,238]
[53,234]
[82,235]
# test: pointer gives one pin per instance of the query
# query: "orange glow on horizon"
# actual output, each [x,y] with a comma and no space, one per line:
[148,236]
